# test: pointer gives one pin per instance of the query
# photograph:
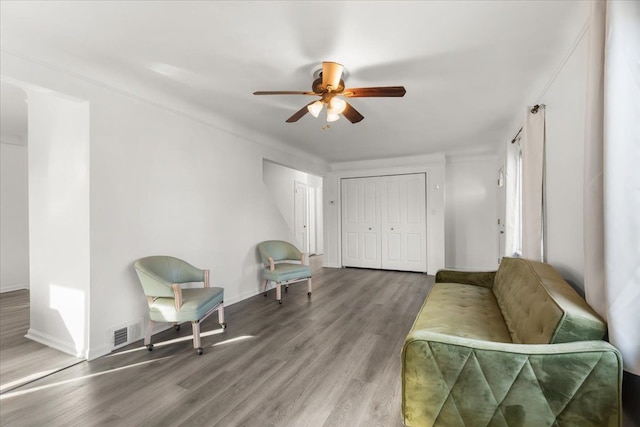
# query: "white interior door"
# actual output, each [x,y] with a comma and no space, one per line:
[300,217]
[404,226]
[361,223]
[311,199]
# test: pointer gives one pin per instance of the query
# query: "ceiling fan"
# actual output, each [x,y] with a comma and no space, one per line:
[329,87]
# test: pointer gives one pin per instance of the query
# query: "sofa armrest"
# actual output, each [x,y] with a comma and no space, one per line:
[449,381]
[478,278]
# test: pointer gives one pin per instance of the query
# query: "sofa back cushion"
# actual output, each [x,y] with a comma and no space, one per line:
[540,307]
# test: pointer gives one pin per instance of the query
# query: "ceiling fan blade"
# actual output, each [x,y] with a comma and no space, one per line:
[352,114]
[282,92]
[299,114]
[366,92]
[331,74]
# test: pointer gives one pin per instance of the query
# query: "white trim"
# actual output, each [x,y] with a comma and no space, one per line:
[53,342]
[389,165]
[564,61]
[461,158]
[195,114]
[19,140]
[13,288]
[473,269]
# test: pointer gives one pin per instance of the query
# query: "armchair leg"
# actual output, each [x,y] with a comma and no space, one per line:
[147,335]
[195,325]
[309,287]
[266,282]
[221,316]
[279,293]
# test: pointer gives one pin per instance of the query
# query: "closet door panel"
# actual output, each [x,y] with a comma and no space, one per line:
[384,222]
[361,223]
[404,223]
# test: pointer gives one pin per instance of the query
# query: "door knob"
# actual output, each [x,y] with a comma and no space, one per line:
[391,228]
[369,228]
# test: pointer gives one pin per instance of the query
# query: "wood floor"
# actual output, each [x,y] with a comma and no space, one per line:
[333,360]
[21,359]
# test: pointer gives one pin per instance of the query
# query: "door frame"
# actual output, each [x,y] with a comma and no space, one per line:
[427,241]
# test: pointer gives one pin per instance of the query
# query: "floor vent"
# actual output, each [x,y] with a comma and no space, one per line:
[120,336]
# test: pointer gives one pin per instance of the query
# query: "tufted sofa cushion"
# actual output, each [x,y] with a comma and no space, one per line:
[516,347]
[464,311]
[539,306]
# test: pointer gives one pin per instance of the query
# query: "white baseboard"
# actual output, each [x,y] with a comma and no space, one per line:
[53,342]
[473,269]
[242,297]
[13,288]
[98,352]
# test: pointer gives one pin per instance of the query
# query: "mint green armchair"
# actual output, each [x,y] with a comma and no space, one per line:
[161,278]
[283,264]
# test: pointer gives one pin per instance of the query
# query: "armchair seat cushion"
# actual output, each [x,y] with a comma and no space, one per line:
[195,304]
[287,271]
[464,311]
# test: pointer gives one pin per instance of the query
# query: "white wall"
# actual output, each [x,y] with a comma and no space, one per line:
[471,231]
[280,181]
[14,218]
[59,262]
[163,182]
[434,168]
[564,157]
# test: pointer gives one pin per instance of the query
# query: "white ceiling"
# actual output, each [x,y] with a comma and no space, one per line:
[470,68]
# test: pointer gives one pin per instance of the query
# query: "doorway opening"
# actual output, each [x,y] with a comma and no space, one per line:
[298,196]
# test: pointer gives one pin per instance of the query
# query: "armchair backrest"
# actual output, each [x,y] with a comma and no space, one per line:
[158,273]
[278,250]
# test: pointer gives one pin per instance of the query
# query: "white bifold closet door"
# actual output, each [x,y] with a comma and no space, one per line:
[384,222]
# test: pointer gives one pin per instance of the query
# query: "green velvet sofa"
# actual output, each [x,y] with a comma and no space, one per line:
[514,347]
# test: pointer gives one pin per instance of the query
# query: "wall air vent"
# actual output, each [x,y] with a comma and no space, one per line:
[120,336]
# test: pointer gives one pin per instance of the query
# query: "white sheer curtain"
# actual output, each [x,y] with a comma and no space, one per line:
[593,216]
[612,174]
[622,178]
[533,183]
[513,183]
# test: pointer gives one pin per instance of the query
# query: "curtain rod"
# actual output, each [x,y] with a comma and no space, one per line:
[534,110]
[516,137]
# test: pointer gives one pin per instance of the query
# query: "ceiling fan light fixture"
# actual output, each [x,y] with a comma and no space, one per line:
[315,108]
[332,116]
[337,105]
[329,85]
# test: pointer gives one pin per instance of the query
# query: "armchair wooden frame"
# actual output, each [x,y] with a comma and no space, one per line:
[283,264]
[272,267]
[160,291]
